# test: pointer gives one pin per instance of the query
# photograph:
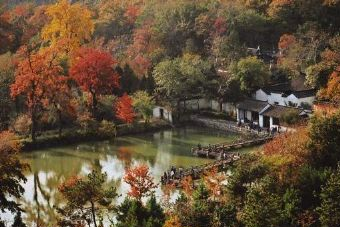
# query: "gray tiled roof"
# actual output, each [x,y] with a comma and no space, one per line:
[277,111]
[253,105]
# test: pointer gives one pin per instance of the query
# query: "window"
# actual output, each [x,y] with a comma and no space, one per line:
[276,103]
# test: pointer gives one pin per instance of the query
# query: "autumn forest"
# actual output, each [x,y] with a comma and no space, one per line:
[81,71]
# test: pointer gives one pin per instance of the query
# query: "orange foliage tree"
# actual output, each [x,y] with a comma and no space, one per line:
[332,91]
[285,41]
[124,109]
[173,221]
[188,186]
[35,77]
[287,152]
[213,182]
[140,181]
[93,71]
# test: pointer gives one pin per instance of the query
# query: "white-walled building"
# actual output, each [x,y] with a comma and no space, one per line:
[162,113]
[268,104]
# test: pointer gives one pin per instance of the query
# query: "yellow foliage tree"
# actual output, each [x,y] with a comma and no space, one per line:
[70,24]
[173,221]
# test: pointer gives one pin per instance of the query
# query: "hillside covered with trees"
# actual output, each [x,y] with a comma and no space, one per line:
[82,68]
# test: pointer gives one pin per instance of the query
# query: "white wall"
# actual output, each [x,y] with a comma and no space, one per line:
[156,112]
[228,107]
[201,104]
[275,97]
[204,103]
[215,105]
[261,121]
[260,95]
[292,98]
[196,104]
[308,100]
[248,115]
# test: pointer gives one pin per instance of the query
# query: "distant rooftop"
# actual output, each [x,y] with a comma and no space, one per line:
[296,86]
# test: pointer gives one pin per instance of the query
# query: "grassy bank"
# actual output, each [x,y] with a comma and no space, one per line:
[71,136]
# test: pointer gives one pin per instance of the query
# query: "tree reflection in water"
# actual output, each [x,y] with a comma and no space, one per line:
[51,167]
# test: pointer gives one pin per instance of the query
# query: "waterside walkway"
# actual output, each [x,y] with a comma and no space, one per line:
[219,151]
[174,176]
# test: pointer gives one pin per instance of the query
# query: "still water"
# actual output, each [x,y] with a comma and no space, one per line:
[158,150]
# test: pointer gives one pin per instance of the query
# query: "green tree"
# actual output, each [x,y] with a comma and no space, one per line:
[11,174]
[128,80]
[226,215]
[249,169]
[143,104]
[6,79]
[175,24]
[263,206]
[133,213]
[325,140]
[182,77]
[252,73]
[290,117]
[86,198]
[156,217]
[329,209]
[201,208]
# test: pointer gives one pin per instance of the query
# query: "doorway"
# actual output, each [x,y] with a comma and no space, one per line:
[161,113]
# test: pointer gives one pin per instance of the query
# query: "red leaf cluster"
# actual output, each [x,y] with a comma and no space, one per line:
[93,71]
[140,181]
[124,109]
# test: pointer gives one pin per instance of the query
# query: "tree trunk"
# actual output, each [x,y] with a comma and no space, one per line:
[220,103]
[178,109]
[93,214]
[60,124]
[33,127]
[94,105]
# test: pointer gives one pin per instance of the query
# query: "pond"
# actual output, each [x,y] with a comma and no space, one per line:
[159,150]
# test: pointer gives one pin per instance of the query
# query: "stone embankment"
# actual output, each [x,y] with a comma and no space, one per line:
[225,125]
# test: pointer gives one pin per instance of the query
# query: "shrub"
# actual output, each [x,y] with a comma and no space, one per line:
[290,117]
[87,123]
[22,124]
[107,128]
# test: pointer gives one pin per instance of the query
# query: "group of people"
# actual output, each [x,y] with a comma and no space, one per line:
[171,174]
[211,148]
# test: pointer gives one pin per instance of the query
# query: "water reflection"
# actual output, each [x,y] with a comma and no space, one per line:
[49,168]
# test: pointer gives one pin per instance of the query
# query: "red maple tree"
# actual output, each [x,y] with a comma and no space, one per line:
[93,71]
[140,181]
[124,109]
